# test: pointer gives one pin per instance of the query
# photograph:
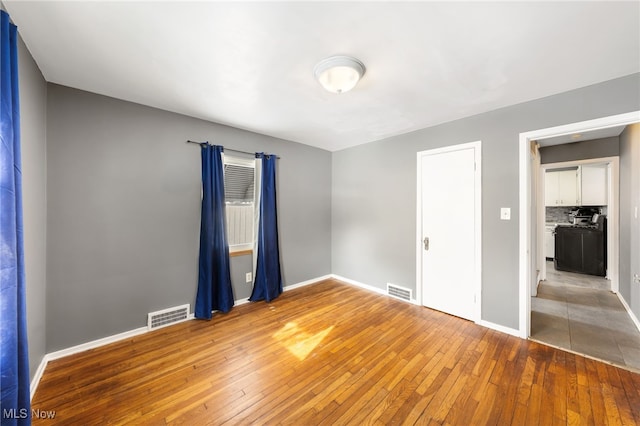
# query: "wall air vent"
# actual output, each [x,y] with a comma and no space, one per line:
[398,292]
[167,316]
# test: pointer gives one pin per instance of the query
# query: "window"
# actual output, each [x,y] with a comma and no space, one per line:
[239,197]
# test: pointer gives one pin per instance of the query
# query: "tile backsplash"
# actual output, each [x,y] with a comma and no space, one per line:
[561,214]
[557,214]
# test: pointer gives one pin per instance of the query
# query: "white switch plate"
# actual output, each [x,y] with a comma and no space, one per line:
[248,277]
[505,213]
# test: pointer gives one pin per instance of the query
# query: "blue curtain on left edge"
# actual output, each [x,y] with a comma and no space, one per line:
[14,364]
[268,280]
[214,277]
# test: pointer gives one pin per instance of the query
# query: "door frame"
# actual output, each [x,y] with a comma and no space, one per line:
[477,147]
[527,259]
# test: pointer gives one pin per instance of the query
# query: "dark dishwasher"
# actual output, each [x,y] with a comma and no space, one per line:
[582,249]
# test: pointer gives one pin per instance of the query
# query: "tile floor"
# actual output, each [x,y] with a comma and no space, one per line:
[579,312]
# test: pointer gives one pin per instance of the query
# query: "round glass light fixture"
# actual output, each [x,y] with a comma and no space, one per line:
[339,74]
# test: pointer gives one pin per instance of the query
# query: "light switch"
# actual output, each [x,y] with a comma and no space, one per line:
[505,213]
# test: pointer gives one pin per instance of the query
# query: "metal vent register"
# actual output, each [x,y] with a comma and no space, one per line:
[167,316]
[398,292]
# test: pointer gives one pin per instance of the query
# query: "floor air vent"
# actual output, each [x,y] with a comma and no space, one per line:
[167,316]
[399,292]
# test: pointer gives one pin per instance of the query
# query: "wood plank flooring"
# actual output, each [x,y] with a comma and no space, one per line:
[330,354]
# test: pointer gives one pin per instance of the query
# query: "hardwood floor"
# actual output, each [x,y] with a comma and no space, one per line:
[329,354]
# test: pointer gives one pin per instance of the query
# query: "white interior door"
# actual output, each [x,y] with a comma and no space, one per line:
[449,225]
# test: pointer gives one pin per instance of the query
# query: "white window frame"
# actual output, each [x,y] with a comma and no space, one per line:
[249,163]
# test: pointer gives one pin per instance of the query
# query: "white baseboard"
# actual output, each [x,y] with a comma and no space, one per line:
[369,288]
[96,343]
[38,375]
[79,348]
[240,301]
[307,282]
[500,328]
[629,311]
[359,284]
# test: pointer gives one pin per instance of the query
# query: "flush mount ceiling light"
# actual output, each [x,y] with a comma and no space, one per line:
[339,74]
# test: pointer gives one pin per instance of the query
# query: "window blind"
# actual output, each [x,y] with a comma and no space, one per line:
[238,183]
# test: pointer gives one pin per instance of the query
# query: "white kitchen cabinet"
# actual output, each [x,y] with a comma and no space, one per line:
[550,188]
[593,185]
[561,188]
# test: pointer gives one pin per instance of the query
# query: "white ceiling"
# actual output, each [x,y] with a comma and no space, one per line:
[250,64]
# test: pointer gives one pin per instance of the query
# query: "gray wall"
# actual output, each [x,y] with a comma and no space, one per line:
[374,191]
[33,102]
[629,224]
[595,148]
[124,211]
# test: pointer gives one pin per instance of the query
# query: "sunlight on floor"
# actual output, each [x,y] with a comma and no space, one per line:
[299,342]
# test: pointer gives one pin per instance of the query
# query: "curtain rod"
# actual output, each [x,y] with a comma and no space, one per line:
[229,149]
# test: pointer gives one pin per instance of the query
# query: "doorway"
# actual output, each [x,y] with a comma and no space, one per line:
[448,254]
[607,205]
[528,201]
[575,306]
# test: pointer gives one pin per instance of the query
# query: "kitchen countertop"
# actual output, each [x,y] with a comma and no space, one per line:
[556,223]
